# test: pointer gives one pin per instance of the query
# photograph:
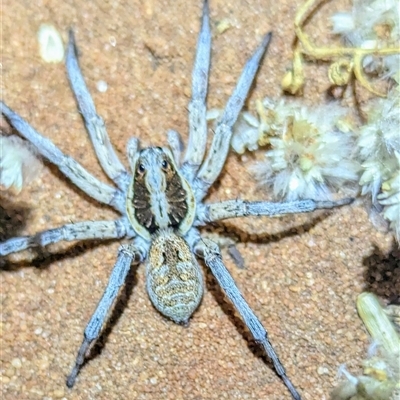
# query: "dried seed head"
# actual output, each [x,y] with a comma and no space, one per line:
[377,323]
[18,163]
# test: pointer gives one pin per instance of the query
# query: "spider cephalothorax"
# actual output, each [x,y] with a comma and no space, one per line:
[159,196]
[161,203]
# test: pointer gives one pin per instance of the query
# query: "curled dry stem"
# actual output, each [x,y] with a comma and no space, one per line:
[353,55]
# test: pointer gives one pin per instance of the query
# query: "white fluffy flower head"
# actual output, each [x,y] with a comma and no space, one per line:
[390,199]
[372,24]
[18,163]
[378,142]
[310,157]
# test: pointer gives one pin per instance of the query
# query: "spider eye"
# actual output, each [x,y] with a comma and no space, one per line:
[164,164]
[141,169]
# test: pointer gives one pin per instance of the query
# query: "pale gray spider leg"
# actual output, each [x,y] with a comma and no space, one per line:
[197,142]
[68,166]
[241,208]
[95,126]
[218,152]
[85,230]
[133,253]
[208,250]
[176,145]
[131,150]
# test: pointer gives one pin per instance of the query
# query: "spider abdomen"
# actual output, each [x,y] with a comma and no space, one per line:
[173,277]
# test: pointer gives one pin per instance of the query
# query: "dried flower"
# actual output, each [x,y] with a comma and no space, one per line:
[250,132]
[378,142]
[390,199]
[246,133]
[372,24]
[310,156]
[381,369]
[18,163]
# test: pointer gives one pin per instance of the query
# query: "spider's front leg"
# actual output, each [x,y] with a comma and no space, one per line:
[67,165]
[216,157]
[95,126]
[197,108]
[241,208]
[133,253]
[211,253]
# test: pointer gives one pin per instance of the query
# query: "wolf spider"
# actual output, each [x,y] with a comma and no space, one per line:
[161,203]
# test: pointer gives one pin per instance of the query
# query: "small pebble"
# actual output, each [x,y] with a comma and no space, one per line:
[295,289]
[102,86]
[16,363]
[322,370]
[51,47]
[10,372]
[113,41]
[58,393]
[38,331]
[153,380]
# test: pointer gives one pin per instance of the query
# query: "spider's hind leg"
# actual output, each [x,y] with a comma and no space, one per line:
[133,253]
[211,253]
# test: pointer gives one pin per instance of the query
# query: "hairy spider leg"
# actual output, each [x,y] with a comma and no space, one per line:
[85,230]
[133,253]
[241,208]
[211,253]
[94,124]
[217,154]
[85,181]
[197,142]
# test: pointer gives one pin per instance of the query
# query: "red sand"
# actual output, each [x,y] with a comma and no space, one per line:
[302,285]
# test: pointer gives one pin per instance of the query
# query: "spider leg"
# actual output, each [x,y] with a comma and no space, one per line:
[242,208]
[218,152]
[132,149]
[176,145]
[95,126]
[133,253]
[85,230]
[197,108]
[211,253]
[68,166]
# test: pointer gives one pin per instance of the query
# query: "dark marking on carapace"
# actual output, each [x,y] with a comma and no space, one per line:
[176,196]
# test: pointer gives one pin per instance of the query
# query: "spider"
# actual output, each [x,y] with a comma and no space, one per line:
[161,203]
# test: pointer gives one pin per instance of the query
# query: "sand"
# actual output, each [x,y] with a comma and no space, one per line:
[301,277]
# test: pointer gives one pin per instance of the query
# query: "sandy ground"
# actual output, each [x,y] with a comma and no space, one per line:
[302,274]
